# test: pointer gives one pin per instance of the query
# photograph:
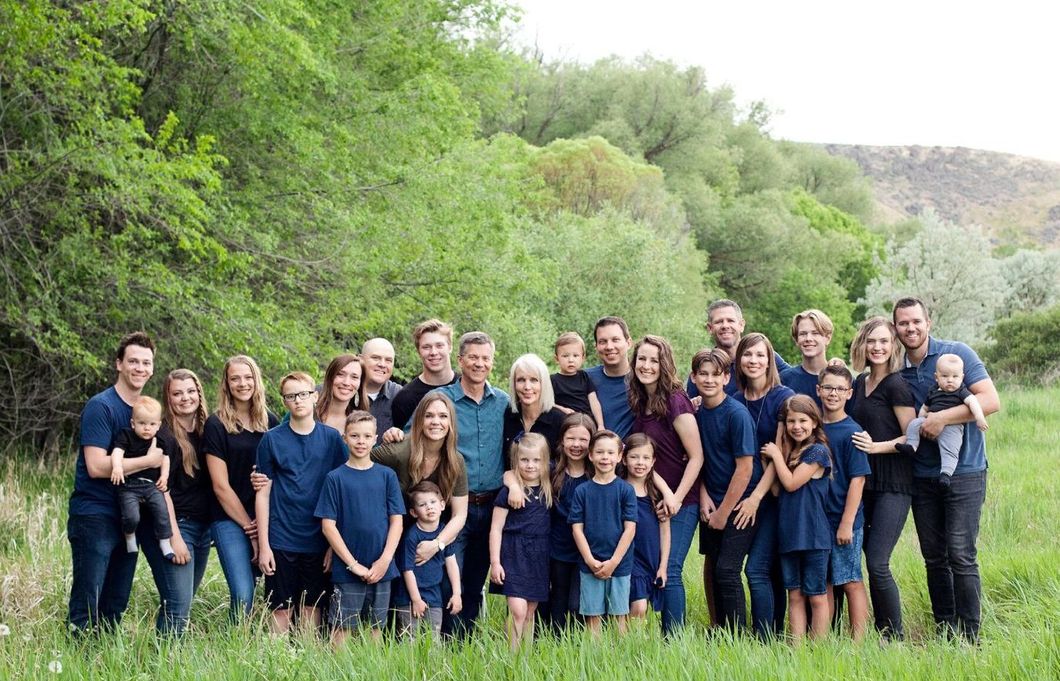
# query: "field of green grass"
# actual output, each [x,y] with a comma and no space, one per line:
[1018,553]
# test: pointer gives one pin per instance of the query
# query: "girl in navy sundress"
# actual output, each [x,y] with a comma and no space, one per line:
[519,538]
[803,464]
[651,544]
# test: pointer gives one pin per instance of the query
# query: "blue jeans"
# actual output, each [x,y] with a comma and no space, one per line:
[769,598]
[682,528]
[177,584]
[885,515]
[102,572]
[234,552]
[473,555]
[947,525]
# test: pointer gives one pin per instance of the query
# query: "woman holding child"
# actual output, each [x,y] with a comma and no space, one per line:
[882,404]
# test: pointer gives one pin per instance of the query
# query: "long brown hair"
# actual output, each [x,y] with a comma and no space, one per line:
[189,457]
[802,404]
[575,420]
[358,401]
[747,342]
[448,466]
[658,402]
[226,408]
[642,440]
[532,442]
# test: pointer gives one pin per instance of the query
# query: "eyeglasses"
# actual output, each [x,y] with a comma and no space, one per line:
[832,389]
[296,397]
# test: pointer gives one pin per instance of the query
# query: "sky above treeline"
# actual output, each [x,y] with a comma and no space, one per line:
[930,72]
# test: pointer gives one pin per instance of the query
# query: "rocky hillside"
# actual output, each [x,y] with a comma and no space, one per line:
[1016,199]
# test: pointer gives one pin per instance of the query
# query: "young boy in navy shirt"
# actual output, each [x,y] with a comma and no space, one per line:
[418,594]
[603,519]
[843,507]
[360,511]
[295,456]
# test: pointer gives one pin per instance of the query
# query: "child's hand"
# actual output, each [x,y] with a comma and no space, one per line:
[251,530]
[266,561]
[660,577]
[456,604]
[419,608]
[163,482]
[117,474]
[668,506]
[328,556]
[497,573]
[696,401]
[358,570]
[981,424]
[565,410]
[394,434]
[378,569]
[771,451]
[746,511]
[254,548]
[716,521]
[594,565]
[605,570]
[516,497]
[258,480]
[845,534]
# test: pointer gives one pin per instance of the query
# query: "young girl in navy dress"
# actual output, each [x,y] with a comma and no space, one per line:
[651,544]
[803,465]
[519,538]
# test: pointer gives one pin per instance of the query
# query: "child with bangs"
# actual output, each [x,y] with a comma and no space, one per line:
[651,543]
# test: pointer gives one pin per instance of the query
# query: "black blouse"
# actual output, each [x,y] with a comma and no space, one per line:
[875,413]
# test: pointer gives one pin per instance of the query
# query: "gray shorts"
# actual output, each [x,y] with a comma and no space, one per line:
[354,603]
[410,627]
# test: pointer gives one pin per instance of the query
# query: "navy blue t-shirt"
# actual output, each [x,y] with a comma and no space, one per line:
[801,381]
[611,391]
[562,541]
[297,465]
[765,412]
[603,510]
[803,522]
[429,576]
[361,502]
[727,433]
[731,388]
[847,462]
[103,417]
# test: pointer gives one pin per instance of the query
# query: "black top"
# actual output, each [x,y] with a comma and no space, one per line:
[240,452]
[192,496]
[572,392]
[133,447]
[547,424]
[940,400]
[406,401]
[875,413]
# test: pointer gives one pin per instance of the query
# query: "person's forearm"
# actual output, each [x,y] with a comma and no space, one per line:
[664,542]
[172,514]
[261,511]
[625,541]
[226,496]
[769,474]
[338,546]
[977,410]
[411,586]
[737,486]
[597,409]
[452,528]
[453,570]
[393,538]
[854,493]
[582,543]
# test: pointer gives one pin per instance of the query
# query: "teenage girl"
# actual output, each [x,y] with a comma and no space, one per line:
[651,544]
[803,465]
[519,538]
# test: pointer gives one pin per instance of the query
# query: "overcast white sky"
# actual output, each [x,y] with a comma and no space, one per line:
[984,75]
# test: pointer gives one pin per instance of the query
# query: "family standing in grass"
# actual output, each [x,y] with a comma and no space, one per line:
[577,496]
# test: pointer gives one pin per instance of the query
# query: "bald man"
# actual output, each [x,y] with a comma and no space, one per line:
[377,354]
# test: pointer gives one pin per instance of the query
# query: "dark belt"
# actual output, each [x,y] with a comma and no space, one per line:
[481,498]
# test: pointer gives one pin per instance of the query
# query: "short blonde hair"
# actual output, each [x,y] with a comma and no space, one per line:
[569,338]
[147,406]
[820,320]
[296,376]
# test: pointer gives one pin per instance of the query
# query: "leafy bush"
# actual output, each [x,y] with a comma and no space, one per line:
[1026,347]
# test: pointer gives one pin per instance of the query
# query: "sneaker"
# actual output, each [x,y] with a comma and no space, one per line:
[905,449]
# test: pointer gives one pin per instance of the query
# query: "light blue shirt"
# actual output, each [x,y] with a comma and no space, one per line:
[921,379]
[480,434]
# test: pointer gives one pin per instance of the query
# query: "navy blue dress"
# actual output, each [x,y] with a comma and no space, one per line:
[525,548]
[646,547]
[804,524]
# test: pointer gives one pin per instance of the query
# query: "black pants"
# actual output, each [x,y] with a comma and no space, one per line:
[138,491]
[564,595]
[725,551]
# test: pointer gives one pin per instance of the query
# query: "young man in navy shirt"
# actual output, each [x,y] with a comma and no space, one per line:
[612,347]
[102,568]
[947,521]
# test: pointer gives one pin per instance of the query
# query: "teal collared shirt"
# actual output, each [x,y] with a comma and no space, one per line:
[480,433]
[921,379]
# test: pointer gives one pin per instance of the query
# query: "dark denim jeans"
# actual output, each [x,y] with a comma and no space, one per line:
[682,528]
[947,525]
[102,572]
[233,552]
[885,516]
[473,554]
[725,551]
[769,599]
[177,584]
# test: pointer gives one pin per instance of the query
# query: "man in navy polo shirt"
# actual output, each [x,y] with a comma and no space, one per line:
[725,323]
[609,377]
[947,521]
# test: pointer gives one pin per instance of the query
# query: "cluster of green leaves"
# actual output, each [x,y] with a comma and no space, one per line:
[1027,346]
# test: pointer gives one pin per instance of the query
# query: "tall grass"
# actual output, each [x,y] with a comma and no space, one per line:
[1019,558]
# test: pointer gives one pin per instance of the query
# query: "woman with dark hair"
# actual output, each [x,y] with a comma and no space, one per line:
[342,392]
[662,410]
[883,405]
[184,415]
[760,390]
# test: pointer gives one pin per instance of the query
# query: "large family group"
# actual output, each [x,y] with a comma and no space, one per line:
[576,495]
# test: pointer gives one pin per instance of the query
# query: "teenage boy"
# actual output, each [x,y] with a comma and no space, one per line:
[102,568]
[843,505]
[731,470]
[292,553]
[725,323]
[812,331]
[360,511]
[377,358]
[947,519]
[480,410]
[433,340]
[612,347]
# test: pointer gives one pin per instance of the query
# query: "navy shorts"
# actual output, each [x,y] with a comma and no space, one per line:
[299,578]
[806,571]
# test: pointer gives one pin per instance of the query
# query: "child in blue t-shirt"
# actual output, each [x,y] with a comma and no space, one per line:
[603,518]
[418,595]
[803,463]
[651,543]
[360,511]
[519,538]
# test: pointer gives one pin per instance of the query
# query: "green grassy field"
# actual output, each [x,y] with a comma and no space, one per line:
[1019,557]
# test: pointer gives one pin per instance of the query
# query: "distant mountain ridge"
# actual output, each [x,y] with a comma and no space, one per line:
[1016,199]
